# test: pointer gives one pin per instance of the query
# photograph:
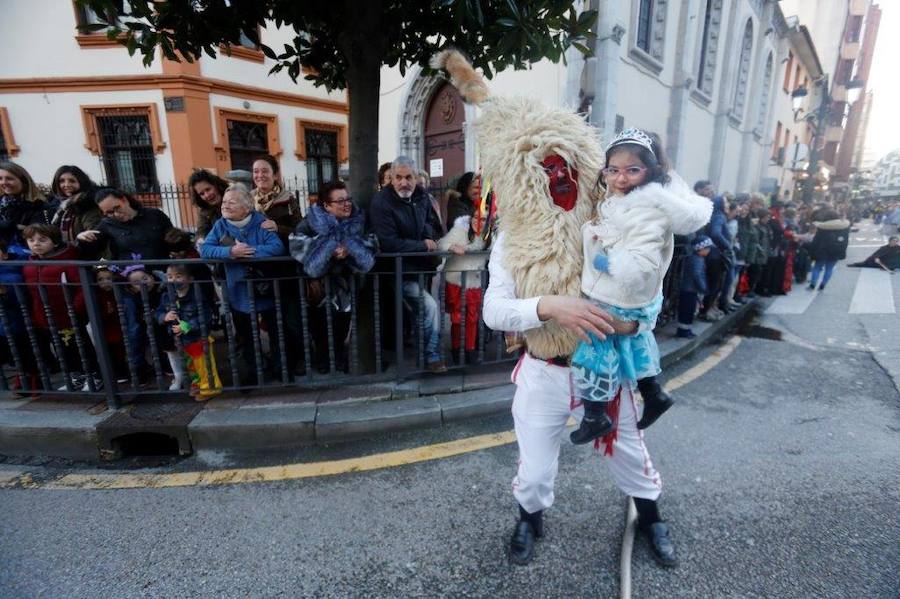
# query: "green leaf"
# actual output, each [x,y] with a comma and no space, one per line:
[269,52]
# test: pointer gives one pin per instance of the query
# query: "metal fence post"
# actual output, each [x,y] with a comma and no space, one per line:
[398,315]
[95,319]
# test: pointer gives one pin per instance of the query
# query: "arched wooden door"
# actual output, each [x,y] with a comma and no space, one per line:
[444,136]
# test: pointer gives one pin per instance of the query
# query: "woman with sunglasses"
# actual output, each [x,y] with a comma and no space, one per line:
[628,247]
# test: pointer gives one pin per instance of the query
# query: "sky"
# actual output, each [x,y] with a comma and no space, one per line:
[884,81]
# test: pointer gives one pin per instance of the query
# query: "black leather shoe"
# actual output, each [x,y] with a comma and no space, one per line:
[656,402]
[521,546]
[657,534]
[592,427]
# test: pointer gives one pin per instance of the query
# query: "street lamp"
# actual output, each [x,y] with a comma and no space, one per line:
[818,121]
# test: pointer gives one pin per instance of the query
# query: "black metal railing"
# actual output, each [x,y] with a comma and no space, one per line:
[112,341]
[110,338]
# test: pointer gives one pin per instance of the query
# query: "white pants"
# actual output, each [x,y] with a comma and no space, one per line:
[542,405]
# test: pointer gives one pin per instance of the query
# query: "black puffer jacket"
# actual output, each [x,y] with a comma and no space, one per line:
[830,241]
[142,235]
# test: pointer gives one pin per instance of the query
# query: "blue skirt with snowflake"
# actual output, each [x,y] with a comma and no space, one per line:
[601,367]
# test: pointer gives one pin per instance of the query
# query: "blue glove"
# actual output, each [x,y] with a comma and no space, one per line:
[601,262]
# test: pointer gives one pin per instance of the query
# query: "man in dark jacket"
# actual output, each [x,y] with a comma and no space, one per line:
[400,218]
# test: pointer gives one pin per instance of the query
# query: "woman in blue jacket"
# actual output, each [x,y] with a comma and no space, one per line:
[239,239]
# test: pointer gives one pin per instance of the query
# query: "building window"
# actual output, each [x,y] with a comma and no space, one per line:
[643,28]
[648,33]
[321,158]
[844,71]
[776,142]
[709,46]
[764,100]
[246,48]
[786,86]
[8,147]
[743,73]
[322,146]
[126,152]
[126,140]
[246,141]
[227,138]
[854,27]
[86,17]
[797,73]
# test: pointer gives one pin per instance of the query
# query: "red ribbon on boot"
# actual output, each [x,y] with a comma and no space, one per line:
[612,410]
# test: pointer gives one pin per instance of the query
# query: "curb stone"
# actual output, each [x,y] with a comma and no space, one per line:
[352,421]
[358,412]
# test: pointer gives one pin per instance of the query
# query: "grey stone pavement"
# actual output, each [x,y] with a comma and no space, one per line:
[780,473]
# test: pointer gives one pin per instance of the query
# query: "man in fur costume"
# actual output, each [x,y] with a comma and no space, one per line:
[544,163]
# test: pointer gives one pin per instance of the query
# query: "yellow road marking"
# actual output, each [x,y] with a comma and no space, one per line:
[328,468]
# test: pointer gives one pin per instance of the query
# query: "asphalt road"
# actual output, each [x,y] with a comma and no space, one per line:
[780,473]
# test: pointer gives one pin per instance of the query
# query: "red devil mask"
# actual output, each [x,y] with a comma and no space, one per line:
[563,185]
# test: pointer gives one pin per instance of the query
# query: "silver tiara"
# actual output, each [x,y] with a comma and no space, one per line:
[632,136]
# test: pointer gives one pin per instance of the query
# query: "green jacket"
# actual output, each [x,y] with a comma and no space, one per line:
[747,238]
[763,245]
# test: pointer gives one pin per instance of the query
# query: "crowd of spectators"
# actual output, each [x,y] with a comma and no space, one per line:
[756,246]
[752,246]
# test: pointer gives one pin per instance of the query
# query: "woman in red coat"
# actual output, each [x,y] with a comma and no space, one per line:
[52,311]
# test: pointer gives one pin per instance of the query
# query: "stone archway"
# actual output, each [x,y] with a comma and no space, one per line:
[417,101]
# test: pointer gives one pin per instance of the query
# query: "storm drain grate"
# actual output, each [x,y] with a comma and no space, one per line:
[151,430]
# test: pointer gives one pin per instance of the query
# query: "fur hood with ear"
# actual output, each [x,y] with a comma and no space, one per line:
[472,264]
[542,242]
[635,232]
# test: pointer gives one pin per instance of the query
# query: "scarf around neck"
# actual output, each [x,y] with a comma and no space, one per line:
[265,200]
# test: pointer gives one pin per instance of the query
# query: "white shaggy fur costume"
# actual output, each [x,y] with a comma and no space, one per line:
[542,241]
[539,252]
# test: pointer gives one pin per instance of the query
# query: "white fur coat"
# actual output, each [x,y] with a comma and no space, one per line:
[455,265]
[636,232]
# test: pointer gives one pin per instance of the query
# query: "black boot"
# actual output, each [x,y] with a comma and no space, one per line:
[594,425]
[656,401]
[655,531]
[528,528]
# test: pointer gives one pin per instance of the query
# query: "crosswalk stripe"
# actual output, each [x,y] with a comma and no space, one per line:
[795,302]
[874,293]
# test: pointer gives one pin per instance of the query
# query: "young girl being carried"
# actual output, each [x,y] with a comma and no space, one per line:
[628,247]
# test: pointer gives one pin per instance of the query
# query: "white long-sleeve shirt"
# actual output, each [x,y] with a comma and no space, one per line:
[503,311]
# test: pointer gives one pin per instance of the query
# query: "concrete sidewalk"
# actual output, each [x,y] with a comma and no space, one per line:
[86,430]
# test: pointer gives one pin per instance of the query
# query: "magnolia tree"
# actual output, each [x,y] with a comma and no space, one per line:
[342,44]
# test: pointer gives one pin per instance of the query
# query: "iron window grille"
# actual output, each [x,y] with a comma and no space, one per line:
[246,141]
[126,153]
[321,158]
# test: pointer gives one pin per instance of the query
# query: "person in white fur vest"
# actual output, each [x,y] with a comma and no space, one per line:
[462,239]
[628,247]
[544,163]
